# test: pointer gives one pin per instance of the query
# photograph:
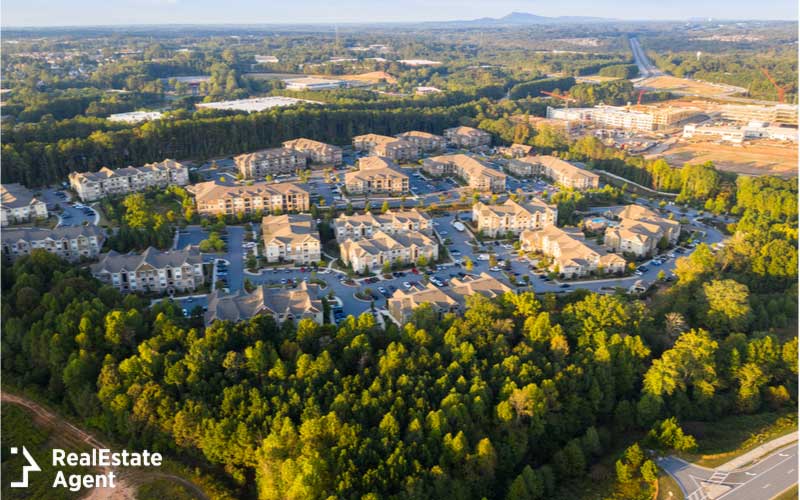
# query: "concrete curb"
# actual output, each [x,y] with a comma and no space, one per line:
[758,452]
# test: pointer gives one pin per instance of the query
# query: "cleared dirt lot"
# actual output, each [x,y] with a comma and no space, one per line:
[682,85]
[755,158]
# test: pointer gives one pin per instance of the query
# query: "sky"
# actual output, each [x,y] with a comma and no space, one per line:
[126,12]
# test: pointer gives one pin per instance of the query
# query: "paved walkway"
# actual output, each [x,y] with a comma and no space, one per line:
[758,452]
[645,188]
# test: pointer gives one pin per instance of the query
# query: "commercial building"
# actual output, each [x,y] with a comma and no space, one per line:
[425,141]
[92,186]
[213,198]
[69,242]
[135,116]
[317,152]
[283,304]
[18,204]
[152,270]
[311,83]
[453,299]
[562,172]
[515,150]
[256,104]
[468,137]
[371,253]
[376,175]
[475,173]
[640,230]
[642,118]
[291,238]
[512,217]
[358,226]
[737,134]
[778,113]
[274,161]
[572,255]
[389,147]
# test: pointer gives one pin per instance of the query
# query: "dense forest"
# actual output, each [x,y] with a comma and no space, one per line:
[517,398]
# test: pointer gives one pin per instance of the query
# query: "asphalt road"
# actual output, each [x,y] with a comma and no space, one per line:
[70,215]
[646,68]
[761,481]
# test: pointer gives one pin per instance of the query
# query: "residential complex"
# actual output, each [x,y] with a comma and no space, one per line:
[291,238]
[317,152]
[572,255]
[283,304]
[376,175]
[152,270]
[443,300]
[475,173]
[213,198]
[642,118]
[640,230]
[358,226]
[468,137]
[274,161]
[515,150]
[562,172]
[92,186]
[426,142]
[18,204]
[512,217]
[69,242]
[371,253]
[388,147]
[778,113]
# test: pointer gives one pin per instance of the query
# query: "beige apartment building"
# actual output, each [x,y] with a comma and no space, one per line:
[371,253]
[561,172]
[291,238]
[468,138]
[274,161]
[395,149]
[475,173]
[283,304]
[515,150]
[68,242]
[512,217]
[425,141]
[92,186]
[358,226]
[152,270]
[573,256]
[639,231]
[318,153]
[376,175]
[18,204]
[453,299]
[214,199]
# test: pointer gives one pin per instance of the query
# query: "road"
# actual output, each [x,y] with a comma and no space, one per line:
[762,481]
[123,490]
[69,215]
[646,68]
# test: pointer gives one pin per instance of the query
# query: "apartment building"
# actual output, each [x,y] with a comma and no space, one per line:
[778,113]
[376,175]
[69,242]
[318,153]
[453,299]
[642,118]
[18,204]
[371,253]
[399,150]
[358,226]
[468,137]
[572,255]
[567,174]
[639,231]
[283,304]
[425,141]
[152,270]
[291,238]
[274,161]
[213,198]
[475,173]
[92,186]
[515,150]
[512,217]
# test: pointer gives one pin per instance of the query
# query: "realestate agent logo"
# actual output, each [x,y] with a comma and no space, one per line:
[31,467]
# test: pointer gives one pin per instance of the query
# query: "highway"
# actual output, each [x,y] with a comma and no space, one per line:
[762,481]
[646,68]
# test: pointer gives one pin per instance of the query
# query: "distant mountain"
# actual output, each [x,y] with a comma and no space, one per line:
[520,18]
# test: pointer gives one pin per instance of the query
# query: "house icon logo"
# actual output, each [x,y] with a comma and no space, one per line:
[31,467]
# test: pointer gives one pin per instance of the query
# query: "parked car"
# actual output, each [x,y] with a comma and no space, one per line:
[407,285]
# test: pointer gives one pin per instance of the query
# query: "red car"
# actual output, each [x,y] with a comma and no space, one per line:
[414,270]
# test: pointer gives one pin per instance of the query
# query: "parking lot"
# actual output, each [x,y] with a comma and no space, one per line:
[68,213]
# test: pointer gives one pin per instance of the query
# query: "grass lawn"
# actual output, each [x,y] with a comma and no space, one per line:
[790,494]
[667,485]
[721,441]
[161,489]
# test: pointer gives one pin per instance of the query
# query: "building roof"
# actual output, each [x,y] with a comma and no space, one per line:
[240,305]
[374,138]
[370,219]
[571,247]
[446,298]
[381,242]
[469,164]
[462,130]
[417,133]
[370,167]
[263,153]
[211,190]
[303,144]
[289,229]
[561,166]
[114,262]
[106,173]
[55,234]
[511,207]
[16,196]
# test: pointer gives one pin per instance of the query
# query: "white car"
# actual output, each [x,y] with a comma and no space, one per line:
[407,285]
[495,269]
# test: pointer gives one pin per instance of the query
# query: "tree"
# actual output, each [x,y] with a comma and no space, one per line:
[668,435]
[468,264]
[384,207]
[727,305]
